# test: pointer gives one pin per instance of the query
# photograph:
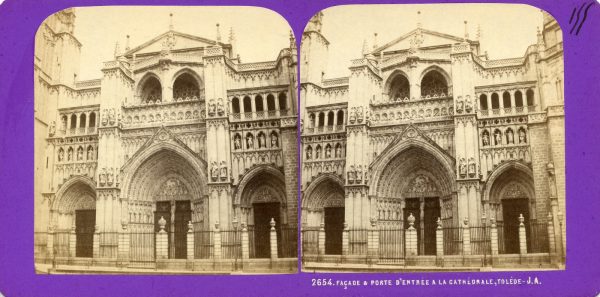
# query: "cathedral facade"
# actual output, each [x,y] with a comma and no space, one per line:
[428,137]
[177,136]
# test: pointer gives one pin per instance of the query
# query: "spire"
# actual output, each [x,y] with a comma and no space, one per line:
[466,31]
[170,21]
[127,43]
[478,36]
[232,42]
[218,34]
[365,48]
[419,25]
[117,50]
[375,41]
[292,40]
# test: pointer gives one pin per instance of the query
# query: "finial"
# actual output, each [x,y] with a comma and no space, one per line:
[419,19]
[117,50]
[478,36]
[365,49]
[218,33]
[466,31]
[292,40]
[170,21]
[231,35]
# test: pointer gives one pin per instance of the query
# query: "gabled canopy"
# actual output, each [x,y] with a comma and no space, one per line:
[181,41]
[429,39]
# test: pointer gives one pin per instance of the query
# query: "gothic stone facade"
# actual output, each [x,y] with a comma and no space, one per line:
[177,127]
[427,126]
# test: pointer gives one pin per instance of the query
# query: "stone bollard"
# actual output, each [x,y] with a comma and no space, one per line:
[373,242]
[466,237]
[217,249]
[72,242]
[245,243]
[124,245]
[494,237]
[345,240]
[162,240]
[96,243]
[273,238]
[551,240]
[522,236]
[439,239]
[321,240]
[411,237]
[190,241]
[50,243]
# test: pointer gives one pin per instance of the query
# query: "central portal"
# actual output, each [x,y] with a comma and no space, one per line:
[263,213]
[511,209]
[85,221]
[177,228]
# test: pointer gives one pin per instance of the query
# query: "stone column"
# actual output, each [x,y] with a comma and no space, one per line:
[373,242]
[162,240]
[345,240]
[190,241]
[494,237]
[72,242]
[522,236]
[439,239]
[245,243]
[489,102]
[217,252]
[321,241]
[466,237]
[411,237]
[124,244]
[551,239]
[273,239]
[96,243]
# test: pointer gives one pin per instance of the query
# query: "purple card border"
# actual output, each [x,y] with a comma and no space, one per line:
[19,19]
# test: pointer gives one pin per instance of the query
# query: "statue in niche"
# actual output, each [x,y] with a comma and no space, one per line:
[462,167]
[105,117]
[486,139]
[338,152]
[510,137]
[70,155]
[359,114]
[111,116]
[497,138]
[274,140]
[459,106]
[309,154]
[358,174]
[249,141]
[223,170]
[350,175]
[52,128]
[468,106]
[522,136]
[328,152]
[102,176]
[90,153]
[61,155]
[237,142]
[472,167]
[220,107]
[79,154]
[352,116]
[318,153]
[214,171]
[211,107]
[262,141]
[110,177]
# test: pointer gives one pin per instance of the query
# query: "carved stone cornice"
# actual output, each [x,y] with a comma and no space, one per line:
[537,118]
[556,111]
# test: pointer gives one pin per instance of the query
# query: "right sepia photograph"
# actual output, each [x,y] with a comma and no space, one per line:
[432,139]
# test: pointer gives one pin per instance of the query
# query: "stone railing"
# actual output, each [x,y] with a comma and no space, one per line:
[85,84]
[194,57]
[146,62]
[336,82]
[185,111]
[324,129]
[270,114]
[516,110]
[257,66]
[412,110]
[504,62]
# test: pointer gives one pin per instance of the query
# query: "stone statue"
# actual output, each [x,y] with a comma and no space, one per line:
[359,114]
[223,170]
[70,155]
[102,177]
[308,154]
[249,142]
[352,116]
[459,106]
[80,154]
[318,153]
[350,175]
[497,138]
[358,174]
[237,143]
[338,152]
[486,139]
[510,137]
[104,117]
[211,107]
[274,141]
[220,108]
[52,128]
[468,106]
[90,153]
[61,155]
[262,141]
[214,171]
[328,152]
[472,169]
[522,136]
[110,178]
[111,116]
[462,167]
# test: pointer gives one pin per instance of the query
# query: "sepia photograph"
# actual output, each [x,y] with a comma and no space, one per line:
[165,141]
[432,139]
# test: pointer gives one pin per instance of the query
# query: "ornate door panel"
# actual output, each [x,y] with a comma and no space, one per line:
[431,214]
[183,215]
[334,226]
[85,221]
[511,209]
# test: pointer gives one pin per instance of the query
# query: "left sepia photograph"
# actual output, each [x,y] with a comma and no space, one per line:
[165,141]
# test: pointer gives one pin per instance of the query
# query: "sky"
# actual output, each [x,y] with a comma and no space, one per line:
[260,33]
[507,30]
